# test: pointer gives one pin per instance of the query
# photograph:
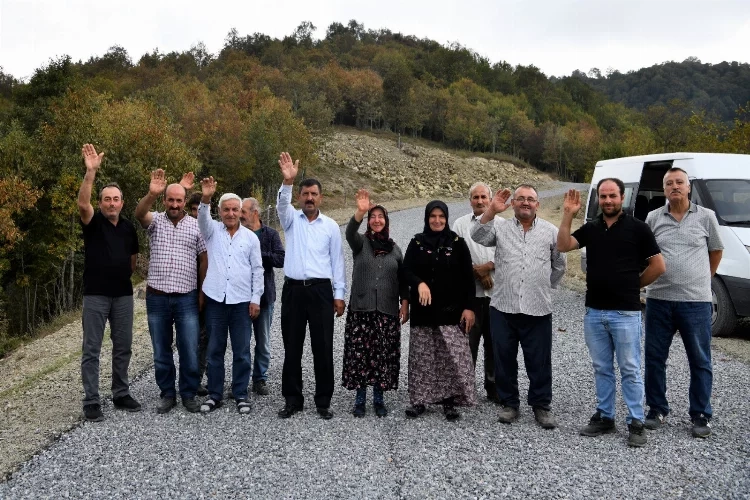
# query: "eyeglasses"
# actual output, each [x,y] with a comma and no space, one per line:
[522,199]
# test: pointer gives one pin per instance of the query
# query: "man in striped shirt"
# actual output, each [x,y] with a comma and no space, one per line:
[528,265]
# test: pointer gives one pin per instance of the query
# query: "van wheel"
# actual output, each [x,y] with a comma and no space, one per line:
[723,316]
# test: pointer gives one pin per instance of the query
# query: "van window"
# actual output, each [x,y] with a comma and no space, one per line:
[627,204]
[731,198]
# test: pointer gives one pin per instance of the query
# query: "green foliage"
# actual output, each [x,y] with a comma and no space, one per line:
[230,115]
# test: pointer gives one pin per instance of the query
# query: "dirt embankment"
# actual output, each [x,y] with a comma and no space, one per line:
[351,161]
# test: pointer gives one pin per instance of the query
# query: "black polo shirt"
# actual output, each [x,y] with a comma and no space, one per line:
[615,258]
[107,252]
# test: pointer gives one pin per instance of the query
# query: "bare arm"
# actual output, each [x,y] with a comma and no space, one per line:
[133,259]
[714,257]
[656,267]
[571,205]
[92,161]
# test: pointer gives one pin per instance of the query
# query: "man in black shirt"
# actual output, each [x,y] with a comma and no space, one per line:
[110,248]
[617,247]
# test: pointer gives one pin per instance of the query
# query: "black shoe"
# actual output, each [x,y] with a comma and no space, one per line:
[260,388]
[93,412]
[598,425]
[325,413]
[126,403]
[288,410]
[166,404]
[637,434]
[654,420]
[191,405]
[359,410]
[701,426]
[380,410]
[493,397]
[545,418]
[450,412]
[202,391]
[415,411]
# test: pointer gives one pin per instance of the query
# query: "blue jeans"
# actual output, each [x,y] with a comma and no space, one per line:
[615,332]
[221,317]
[182,312]
[693,320]
[262,327]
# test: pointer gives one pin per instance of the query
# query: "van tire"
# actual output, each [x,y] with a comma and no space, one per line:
[726,318]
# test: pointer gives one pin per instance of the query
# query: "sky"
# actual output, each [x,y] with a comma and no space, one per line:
[557,36]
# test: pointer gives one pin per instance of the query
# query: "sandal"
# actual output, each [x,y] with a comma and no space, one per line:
[243,406]
[210,405]
[415,410]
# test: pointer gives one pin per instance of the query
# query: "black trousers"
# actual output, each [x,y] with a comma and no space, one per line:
[534,333]
[302,305]
[480,332]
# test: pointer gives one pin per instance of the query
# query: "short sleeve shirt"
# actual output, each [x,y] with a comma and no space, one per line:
[615,258]
[685,246]
[108,249]
[174,248]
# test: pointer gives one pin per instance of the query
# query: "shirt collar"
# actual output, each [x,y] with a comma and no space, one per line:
[518,222]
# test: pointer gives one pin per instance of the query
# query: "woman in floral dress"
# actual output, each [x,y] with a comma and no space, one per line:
[377,308]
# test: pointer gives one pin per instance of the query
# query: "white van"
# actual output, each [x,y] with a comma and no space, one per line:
[720,182]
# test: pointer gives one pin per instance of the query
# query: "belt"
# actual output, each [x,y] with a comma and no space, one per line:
[307,282]
[159,292]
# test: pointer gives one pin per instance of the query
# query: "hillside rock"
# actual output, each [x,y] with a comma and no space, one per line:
[416,170]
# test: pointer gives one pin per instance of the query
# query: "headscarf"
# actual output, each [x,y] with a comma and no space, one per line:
[437,239]
[381,242]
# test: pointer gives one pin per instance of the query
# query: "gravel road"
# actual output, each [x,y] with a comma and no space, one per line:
[181,455]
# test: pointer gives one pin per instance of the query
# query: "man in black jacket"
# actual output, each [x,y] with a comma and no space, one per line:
[272,252]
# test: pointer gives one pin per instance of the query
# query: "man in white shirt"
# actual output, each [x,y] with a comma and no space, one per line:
[314,289]
[480,195]
[233,287]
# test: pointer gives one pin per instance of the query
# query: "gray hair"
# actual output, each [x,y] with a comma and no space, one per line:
[480,184]
[672,170]
[254,205]
[227,197]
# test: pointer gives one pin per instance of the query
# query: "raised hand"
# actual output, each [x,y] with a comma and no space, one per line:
[289,169]
[187,181]
[92,160]
[363,202]
[501,201]
[208,188]
[158,182]
[572,202]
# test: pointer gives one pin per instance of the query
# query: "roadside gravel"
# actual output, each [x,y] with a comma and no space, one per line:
[179,455]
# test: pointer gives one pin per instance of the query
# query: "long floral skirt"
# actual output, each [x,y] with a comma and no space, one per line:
[372,350]
[440,366]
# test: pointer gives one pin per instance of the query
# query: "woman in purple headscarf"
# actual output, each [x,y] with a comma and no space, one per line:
[377,308]
[438,268]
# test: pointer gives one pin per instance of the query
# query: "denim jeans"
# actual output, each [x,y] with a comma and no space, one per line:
[693,320]
[182,312]
[221,317]
[262,328]
[615,332]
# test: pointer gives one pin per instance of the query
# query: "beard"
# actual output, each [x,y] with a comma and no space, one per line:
[611,210]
